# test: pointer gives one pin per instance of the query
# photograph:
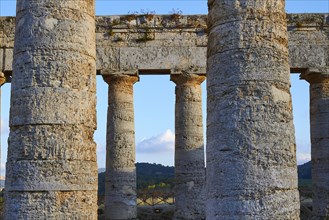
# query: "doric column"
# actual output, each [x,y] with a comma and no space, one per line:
[251,152]
[189,148]
[319,115]
[51,168]
[120,186]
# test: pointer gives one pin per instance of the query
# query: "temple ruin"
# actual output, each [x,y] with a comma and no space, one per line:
[251,155]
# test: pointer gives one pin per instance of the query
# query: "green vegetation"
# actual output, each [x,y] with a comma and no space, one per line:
[175,14]
[149,176]
[305,183]
[305,171]
[155,175]
[146,37]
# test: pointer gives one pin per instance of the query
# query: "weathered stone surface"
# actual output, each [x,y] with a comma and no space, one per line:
[251,158]
[53,105]
[53,98]
[52,142]
[308,41]
[69,205]
[189,148]
[54,72]
[8,61]
[51,175]
[173,36]
[51,167]
[120,183]
[319,107]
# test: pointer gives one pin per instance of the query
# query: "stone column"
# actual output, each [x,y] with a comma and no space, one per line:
[51,168]
[251,152]
[319,115]
[189,148]
[120,186]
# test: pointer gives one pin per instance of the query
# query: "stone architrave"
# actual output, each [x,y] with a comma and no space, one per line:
[2,80]
[319,116]
[251,151]
[51,170]
[189,148]
[120,186]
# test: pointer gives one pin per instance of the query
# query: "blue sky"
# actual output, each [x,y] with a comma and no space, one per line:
[155,96]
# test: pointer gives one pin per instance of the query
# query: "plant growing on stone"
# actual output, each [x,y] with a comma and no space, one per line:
[110,32]
[118,39]
[175,14]
[131,16]
[149,15]
[146,37]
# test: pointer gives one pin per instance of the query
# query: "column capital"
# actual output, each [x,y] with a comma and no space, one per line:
[2,78]
[187,79]
[121,78]
[316,75]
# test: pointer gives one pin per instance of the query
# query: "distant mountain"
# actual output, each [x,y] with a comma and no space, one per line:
[305,171]
[153,174]
[101,170]
[147,175]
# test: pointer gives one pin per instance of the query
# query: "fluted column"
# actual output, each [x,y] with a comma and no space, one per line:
[189,148]
[251,153]
[51,168]
[120,186]
[319,115]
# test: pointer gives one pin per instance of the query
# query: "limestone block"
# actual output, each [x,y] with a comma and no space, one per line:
[238,34]
[196,62]
[1,60]
[51,105]
[31,25]
[123,197]
[154,58]
[70,7]
[52,142]
[249,60]
[308,54]
[67,205]
[8,60]
[51,175]
[227,11]
[108,58]
[70,70]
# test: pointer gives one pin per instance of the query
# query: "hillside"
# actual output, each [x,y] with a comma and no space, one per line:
[154,174]
[147,175]
[305,171]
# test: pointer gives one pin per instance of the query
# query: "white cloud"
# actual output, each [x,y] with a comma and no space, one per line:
[100,148]
[164,142]
[3,171]
[303,158]
[4,126]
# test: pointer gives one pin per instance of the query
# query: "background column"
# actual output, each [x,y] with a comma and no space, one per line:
[251,152]
[319,116]
[189,148]
[120,186]
[51,168]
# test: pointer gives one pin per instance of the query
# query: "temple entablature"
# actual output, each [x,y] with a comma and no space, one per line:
[167,44]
